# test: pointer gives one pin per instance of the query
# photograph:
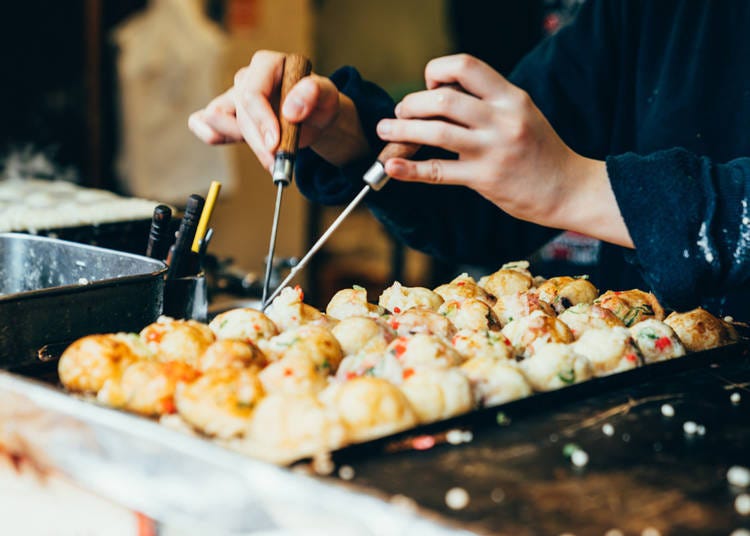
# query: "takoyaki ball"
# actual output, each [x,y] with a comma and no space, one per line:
[489,344]
[220,402]
[631,306]
[294,374]
[512,278]
[700,330]
[350,302]
[372,407]
[470,313]
[555,365]
[421,351]
[232,353]
[495,381]
[608,350]
[529,332]
[510,307]
[314,342]
[90,361]
[585,316]
[464,287]
[563,292]
[657,341]
[243,324]
[378,365]
[398,298]
[358,334]
[284,428]
[437,394]
[422,320]
[288,310]
[178,340]
[147,387]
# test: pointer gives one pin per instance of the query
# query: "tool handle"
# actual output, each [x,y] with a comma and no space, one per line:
[185,235]
[296,67]
[158,236]
[376,177]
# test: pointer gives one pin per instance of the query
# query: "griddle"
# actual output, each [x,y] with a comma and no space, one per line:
[648,474]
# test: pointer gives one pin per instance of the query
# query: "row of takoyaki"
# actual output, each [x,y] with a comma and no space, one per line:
[295,381]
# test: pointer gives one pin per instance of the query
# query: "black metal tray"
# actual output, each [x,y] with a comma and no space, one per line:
[53,292]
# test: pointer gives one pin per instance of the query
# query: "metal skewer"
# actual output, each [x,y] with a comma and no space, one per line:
[296,67]
[375,178]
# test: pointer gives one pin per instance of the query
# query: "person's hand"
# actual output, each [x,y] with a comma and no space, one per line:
[246,111]
[507,150]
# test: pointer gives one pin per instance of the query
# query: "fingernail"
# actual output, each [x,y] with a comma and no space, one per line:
[384,127]
[397,168]
[269,140]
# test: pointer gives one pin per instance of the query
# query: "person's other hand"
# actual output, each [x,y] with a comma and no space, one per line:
[507,150]
[246,110]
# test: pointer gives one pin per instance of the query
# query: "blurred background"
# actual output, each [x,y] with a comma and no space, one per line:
[99,91]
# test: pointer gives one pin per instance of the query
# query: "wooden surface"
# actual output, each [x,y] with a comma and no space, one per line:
[649,474]
[397,150]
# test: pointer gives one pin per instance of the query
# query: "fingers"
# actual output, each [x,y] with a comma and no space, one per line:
[216,123]
[435,133]
[430,171]
[471,74]
[444,102]
[254,87]
[314,99]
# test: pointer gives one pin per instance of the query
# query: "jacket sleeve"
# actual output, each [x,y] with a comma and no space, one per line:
[449,222]
[689,220]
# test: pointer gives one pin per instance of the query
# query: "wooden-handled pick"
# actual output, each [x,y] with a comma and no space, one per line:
[296,67]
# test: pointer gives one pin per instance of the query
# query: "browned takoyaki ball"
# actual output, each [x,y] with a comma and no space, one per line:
[700,330]
[178,340]
[631,306]
[563,292]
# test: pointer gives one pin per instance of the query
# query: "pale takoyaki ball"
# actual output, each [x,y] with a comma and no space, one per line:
[178,340]
[510,307]
[462,288]
[485,344]
[422,320]
[147,387]
[512,278]
[294,374]
[631,306]
[398,298]
[437,394]
[244,324]
[350,302]
[220,402]
[700,330]
[585,316]
[90,361]
[232,353]
[470,313]
[358,334]
[555,365]
[288,311]
[608,350]
[317,343]
[529,332]
[425,351]
[495,381]
[563,292]
[656,340]
[371,408]
[284,428]
[378,365]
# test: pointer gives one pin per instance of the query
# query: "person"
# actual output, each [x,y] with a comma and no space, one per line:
[628,125]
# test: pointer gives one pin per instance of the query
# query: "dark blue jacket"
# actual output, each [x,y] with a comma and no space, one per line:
[661,90]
